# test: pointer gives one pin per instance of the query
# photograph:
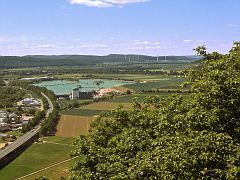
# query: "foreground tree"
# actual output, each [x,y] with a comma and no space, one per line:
[196,137]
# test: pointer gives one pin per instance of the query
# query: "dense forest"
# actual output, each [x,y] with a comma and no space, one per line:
[82,60]
[195,137]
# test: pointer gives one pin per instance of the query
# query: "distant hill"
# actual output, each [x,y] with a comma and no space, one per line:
[82,60]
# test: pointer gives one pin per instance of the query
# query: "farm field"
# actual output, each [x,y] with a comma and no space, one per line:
[53,173]
[38,156]
[81,112]
[73,126]
[165,83]
[139,97]
[107,106]
[130,77]
[75,122]
[65,103]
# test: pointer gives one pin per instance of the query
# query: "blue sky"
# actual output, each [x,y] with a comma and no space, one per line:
[153,27]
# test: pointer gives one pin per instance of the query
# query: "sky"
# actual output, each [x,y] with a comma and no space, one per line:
[101,27]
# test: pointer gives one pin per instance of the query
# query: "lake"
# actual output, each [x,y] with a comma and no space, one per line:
[64,87]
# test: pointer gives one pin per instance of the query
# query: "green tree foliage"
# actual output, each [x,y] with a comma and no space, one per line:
[2,83]
[48,127]
[40,115]
[10,95]
[194,137]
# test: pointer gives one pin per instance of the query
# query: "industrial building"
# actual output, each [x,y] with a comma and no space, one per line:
[77,94]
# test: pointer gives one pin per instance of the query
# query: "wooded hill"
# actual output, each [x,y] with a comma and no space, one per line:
[81,60]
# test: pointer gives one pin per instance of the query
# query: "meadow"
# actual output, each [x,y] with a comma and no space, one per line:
[38,156]
[53,173]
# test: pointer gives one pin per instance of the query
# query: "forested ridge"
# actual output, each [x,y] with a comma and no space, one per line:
[82,60]
[195,137]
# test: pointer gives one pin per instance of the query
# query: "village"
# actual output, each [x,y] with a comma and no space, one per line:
[13,120]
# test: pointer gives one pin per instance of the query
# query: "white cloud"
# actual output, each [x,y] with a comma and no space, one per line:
[91,45]
[105,3]
[91,3]
[234,25]
[137,42]
[187,40]
[46,45]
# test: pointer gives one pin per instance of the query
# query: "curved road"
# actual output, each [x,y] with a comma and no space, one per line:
[27,136]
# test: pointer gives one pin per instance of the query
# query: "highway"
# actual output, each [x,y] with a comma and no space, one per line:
[27,136]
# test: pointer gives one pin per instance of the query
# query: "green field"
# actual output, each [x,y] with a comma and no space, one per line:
[82,112]
[53,173]
[139,97]
[93,109]
[60,140]
[65,103]
[38,156]
[170,83]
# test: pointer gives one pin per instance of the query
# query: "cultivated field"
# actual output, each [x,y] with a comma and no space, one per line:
[73,126]
[107,106]
[139,97]
[170,83]
[39,156]
[82,112]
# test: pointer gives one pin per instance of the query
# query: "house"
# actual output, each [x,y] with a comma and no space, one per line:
[30,102]
[98,96]
[3,120]
[107,91]
[27,100]
[25,118]
[3,116]
[4,135]
[13,117]
[14,126]
[4,127]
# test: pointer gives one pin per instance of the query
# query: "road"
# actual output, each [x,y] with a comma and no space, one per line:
[27,136]
[50,105]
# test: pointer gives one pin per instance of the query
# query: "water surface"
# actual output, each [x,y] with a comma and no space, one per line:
[63,87]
